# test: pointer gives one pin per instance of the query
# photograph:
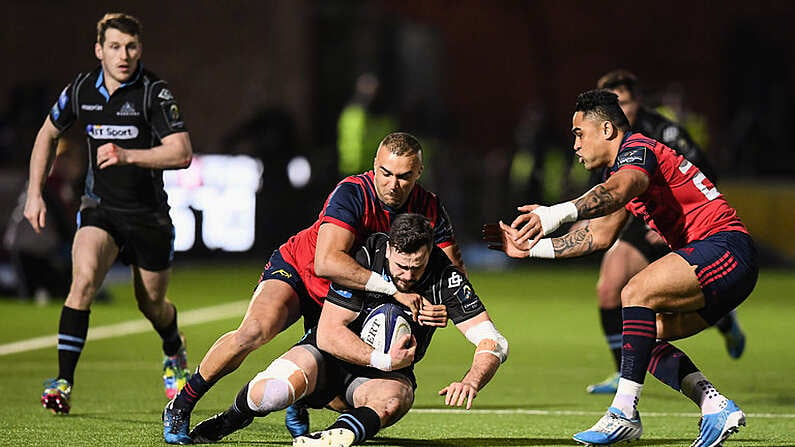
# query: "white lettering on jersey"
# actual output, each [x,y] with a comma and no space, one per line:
[108,132]
[698,180]
[91,107]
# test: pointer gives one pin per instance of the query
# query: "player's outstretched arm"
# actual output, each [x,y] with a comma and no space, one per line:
[584,238]
[491,351]
[334,337]
[41,159]
[175,152]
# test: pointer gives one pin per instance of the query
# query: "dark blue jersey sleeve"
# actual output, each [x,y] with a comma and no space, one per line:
[165,116]
[346,205]
[636,157]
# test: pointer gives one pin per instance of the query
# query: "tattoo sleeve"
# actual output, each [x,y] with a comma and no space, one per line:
[597,202]
[576,243]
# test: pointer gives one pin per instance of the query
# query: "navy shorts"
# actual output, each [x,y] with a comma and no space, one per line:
[727,270]
[279,269]
[145,239]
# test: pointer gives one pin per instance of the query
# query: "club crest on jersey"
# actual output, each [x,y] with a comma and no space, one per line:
[127,110]
[632,156]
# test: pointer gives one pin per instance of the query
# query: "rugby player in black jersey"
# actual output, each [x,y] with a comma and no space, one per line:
[134,130]
[377,388]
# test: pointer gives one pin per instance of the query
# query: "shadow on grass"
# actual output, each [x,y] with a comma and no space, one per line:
[498,442]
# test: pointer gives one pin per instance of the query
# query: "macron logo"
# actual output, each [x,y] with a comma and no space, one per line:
[107,132]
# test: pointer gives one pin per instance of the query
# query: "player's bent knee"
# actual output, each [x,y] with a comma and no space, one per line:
[276,388]
[633,294]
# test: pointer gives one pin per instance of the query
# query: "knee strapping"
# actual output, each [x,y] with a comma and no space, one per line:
[277,390]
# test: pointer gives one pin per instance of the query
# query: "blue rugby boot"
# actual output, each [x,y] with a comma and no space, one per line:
[296,419]
[176,422]
[734,337]
[613,427]
[714,428]
[607,386]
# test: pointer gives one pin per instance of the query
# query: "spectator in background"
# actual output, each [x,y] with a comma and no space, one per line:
[362,124]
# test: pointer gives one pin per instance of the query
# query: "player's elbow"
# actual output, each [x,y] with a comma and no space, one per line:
[323,265]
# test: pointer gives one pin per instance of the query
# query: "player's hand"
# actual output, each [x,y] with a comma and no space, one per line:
[502,237]
[402,353]
[109,154]
[432,314]
[528,225]
[35,212]
[457,393]
[411,300]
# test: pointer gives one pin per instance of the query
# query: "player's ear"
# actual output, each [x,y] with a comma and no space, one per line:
[98,50]
[609,131]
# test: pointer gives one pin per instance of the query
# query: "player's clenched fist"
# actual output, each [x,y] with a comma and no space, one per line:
[110,154]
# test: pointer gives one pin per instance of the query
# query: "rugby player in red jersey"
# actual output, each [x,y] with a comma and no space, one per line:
[296,279]
[712,267]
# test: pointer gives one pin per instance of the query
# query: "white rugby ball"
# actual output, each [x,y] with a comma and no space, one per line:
[384,326]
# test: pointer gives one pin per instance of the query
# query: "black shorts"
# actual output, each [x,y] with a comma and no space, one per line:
[145,240]
[634,233]
[335,376]
[279,269]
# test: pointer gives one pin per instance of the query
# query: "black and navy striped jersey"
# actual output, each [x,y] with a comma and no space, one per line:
[442,283]
[136,116]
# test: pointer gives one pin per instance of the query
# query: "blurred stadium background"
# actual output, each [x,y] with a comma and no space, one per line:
[488,87]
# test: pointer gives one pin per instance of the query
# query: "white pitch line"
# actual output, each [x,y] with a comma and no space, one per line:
[580,413]
[186,318]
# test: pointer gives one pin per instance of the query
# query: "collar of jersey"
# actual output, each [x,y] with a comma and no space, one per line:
[100,84]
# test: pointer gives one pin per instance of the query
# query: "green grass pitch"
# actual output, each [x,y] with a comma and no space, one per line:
[548,313]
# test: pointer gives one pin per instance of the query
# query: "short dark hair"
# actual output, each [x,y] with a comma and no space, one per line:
[401,143]
[619,78]
[410,232]
[603,104]
[120,21]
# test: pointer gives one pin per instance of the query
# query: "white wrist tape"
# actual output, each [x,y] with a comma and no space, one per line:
[552,216]
[486,331]
[381,361]
[378,284]
[542,249]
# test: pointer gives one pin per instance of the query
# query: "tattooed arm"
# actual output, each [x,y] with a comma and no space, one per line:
[611,195]
[585,237]
[594,235]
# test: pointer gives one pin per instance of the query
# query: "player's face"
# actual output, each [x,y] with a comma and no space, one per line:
[407,268]
[590,141]
[628,103]
[395,176]
[119,55]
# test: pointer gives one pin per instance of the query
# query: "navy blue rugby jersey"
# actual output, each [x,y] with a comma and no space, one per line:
[137,115]
[442,283]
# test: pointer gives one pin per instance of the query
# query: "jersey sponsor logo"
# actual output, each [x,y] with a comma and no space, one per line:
[341,292]
[165,95]
[127,110]
[454,280]
[632,156]
[108,132]
[91,107]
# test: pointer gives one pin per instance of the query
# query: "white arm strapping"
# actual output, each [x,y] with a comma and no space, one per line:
[552,216]
[378,284]
[542,249]
[486,331]
[380,360]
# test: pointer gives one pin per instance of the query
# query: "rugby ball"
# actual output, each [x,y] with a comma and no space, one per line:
[384,326]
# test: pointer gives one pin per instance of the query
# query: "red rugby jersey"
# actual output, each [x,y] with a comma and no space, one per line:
[354,205]
[681,204]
